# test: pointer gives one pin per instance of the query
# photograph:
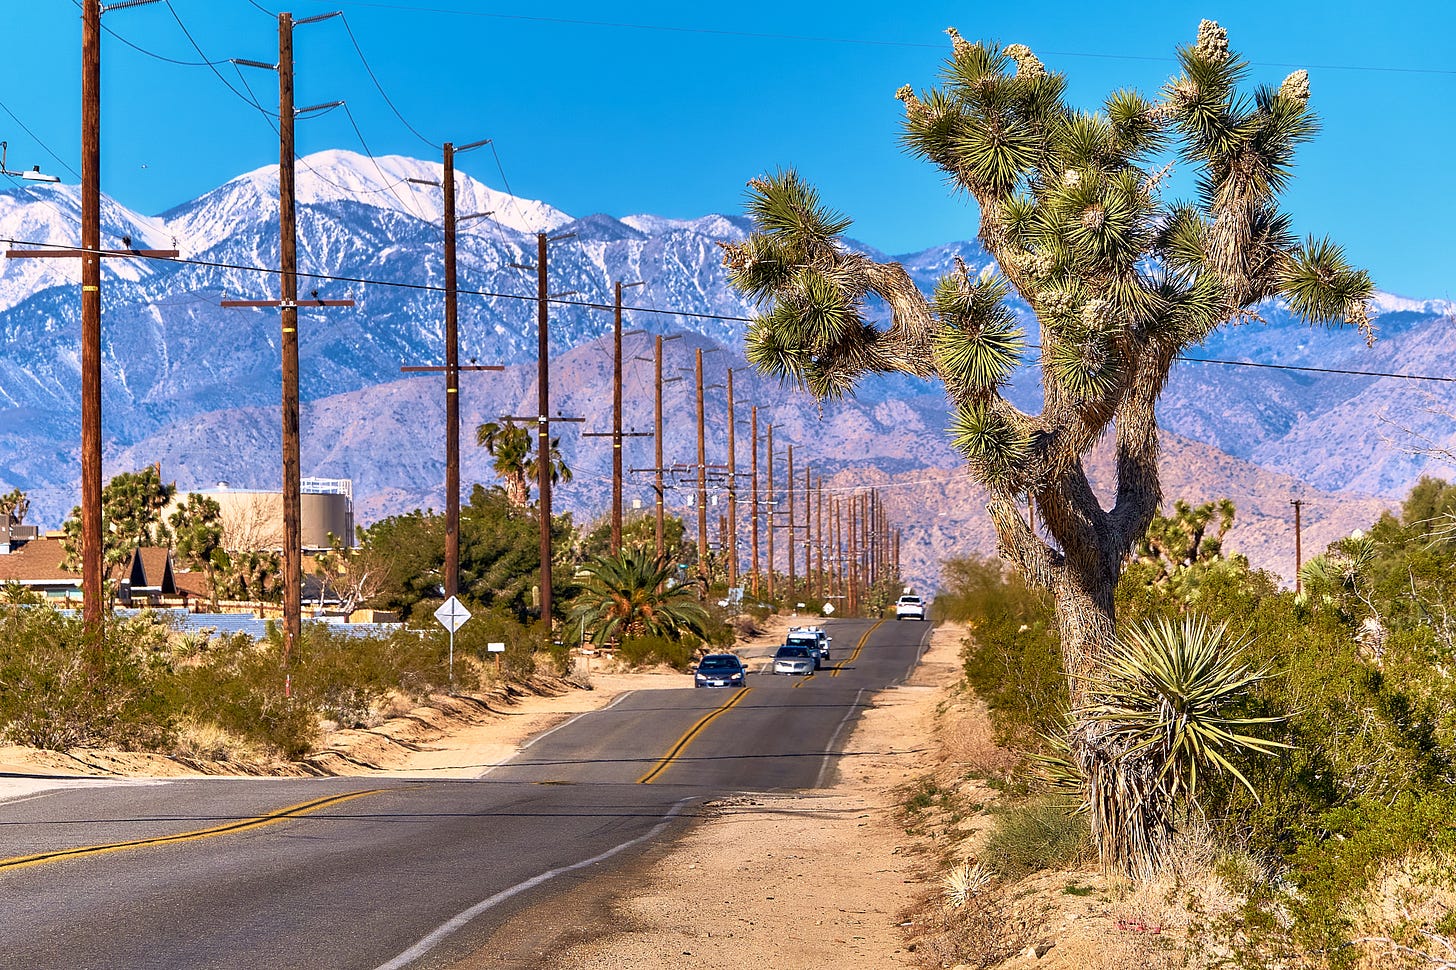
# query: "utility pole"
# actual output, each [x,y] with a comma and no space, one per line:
[808,536]
[616,434]
[288,304]
[702,477]
[853,558]
[1298,552]
[897,555]
[731,546]
[790,492]
[543,430]
[819,584]
[658,469]
[753,501]
[452,368]
[90,254]
[543,417]
[771,502]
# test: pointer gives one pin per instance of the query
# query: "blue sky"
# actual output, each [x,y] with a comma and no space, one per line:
[669,108]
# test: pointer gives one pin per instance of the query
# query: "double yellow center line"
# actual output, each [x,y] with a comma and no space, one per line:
[857,648]
[241,825]
[692,732]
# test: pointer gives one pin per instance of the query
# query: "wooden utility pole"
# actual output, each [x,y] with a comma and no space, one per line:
[451,577]
[771,502]
[730,547]
[91,526]
[753,502]
[702,475]
[658,469]
[808,534]
[93,602]
[897,555]
[543,429]
[1298,551]
[853,557]
[789,492]
[288,304]
[820,586]
[657,446]
[617,434]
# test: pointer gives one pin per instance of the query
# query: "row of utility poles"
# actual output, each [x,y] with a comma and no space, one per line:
[838,570]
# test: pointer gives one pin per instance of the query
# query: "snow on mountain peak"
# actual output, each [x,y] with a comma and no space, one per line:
[392,182]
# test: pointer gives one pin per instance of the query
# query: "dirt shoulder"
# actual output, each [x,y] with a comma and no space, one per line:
[815,879]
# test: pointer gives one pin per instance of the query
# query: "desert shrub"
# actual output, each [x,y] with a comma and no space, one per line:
[60,688]
[489,625]
[1035,835]
[1361,841]
[238,686]
[649,650]
[1012,658]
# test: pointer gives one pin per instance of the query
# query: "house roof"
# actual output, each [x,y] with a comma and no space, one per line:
[38,561]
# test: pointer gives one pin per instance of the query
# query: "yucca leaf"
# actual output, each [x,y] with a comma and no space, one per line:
[989,439]
[1321,286]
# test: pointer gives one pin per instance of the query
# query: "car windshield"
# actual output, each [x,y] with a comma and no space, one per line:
[719,663]
[793,652]
[804,642]
[909,599]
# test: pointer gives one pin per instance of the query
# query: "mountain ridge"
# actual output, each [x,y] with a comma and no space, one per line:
[182,376]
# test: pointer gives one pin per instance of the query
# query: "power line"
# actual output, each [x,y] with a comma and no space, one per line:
[850,41]
[688,314]
[365,61]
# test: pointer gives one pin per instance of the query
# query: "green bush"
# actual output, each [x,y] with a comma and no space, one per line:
[646,651]
[1013,657]
[61,689]
[1036,835]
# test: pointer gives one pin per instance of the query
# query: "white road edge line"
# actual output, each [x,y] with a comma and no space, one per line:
[440,934]
[829,748]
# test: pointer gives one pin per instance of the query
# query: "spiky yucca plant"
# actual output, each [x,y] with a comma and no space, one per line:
[1161,708]
[1121,279]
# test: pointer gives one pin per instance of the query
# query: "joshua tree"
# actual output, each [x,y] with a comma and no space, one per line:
[514,462]
[14,505]
[1120,280]
[197,528]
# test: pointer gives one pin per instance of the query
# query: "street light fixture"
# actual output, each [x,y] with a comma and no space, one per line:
[34,175]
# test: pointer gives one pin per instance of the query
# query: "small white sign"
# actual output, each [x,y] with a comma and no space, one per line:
[828,609]
[452,614]
[495,647]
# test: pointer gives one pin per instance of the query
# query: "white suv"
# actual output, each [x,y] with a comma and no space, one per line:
[910,608]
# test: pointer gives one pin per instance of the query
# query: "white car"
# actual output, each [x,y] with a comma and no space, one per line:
[812,637]
[794,660]
[910,608]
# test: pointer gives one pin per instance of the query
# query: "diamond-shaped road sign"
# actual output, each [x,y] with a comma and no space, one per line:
[452,614]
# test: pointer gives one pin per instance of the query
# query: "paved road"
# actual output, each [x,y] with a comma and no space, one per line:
[374,873]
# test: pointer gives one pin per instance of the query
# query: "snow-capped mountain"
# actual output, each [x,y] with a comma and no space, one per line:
[196,386]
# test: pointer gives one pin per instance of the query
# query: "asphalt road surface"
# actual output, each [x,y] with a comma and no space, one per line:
[385,873]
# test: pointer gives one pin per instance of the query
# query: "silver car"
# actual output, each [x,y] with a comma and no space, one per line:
[791,659]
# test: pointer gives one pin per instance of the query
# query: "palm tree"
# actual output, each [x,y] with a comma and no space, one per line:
[515,463]
[627,595]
